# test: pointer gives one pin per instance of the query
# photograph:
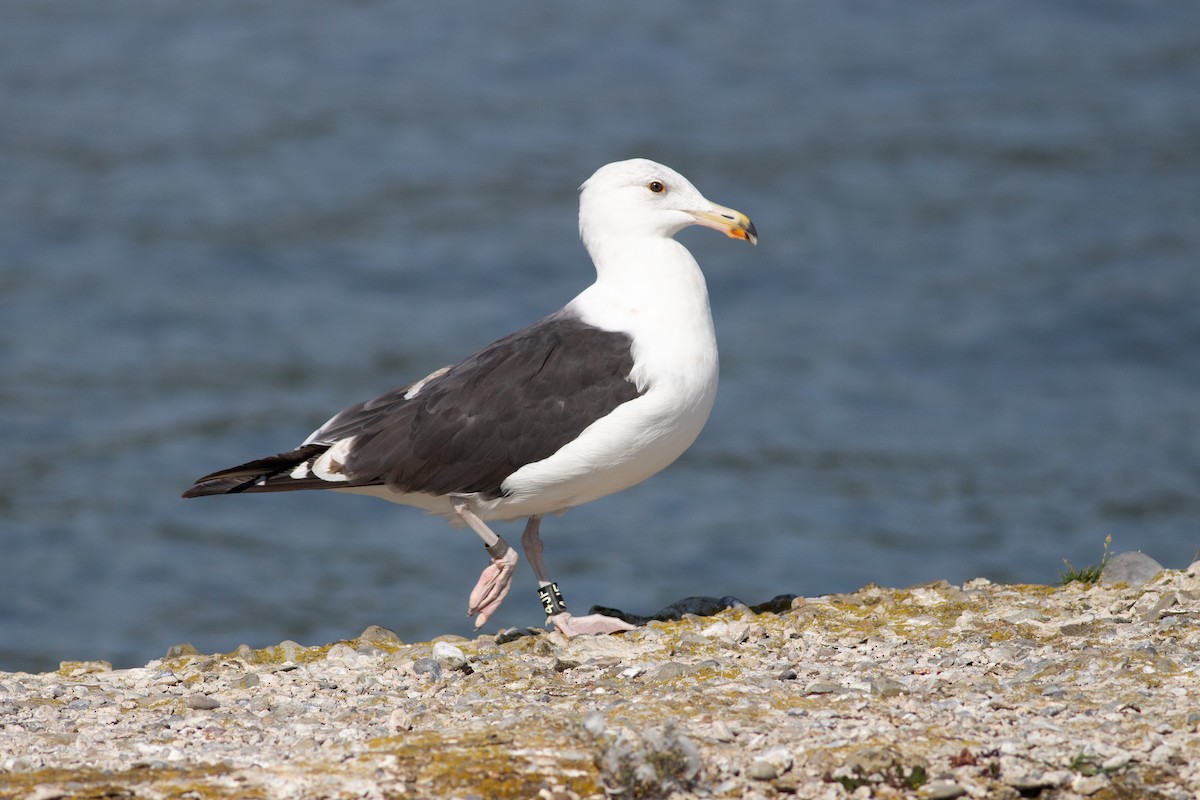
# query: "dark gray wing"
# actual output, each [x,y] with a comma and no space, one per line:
[517,401]
[467,429]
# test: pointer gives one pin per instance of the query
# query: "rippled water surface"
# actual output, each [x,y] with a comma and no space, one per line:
[967,345]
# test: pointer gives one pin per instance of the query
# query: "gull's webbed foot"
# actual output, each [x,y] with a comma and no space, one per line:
[492,587]
[569,625]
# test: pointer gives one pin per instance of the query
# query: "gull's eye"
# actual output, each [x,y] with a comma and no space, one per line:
[656,187]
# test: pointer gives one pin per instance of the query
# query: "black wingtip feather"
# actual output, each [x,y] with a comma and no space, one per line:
[203,488]
[246,477]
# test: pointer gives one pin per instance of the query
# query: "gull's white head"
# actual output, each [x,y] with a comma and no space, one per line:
[641,198]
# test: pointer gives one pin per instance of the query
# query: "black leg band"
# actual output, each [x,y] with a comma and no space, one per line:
[552,599]
[498,549]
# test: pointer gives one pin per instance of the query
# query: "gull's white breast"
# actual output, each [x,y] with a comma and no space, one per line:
[666,312]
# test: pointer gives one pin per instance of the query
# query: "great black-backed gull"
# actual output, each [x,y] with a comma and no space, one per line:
[588,401]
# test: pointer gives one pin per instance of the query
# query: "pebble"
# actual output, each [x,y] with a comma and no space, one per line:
[722,732]
[594,723]
[1088,785]
[50,791]
[344,653]
[380,637]
[942,790]
[1031,690]
[672,670]
[201,702]
[824,687]
[771,764]
[430,667]
[450,656]
[886,687]
[762,771]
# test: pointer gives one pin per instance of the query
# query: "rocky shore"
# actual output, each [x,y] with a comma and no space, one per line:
[933,691]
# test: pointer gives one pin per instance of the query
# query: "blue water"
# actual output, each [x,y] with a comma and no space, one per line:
[967,345]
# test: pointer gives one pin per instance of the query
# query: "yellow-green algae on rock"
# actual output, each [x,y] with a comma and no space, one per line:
[982,690]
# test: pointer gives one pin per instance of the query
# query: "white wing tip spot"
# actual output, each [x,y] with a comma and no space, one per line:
[329,465]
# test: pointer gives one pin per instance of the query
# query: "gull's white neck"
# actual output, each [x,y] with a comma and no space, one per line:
[651,288]
[649,271]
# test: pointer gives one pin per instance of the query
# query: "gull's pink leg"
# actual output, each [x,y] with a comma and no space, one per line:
[496,578]
[556,609]
[531,543]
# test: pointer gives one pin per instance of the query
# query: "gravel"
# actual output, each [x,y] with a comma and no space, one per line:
[934,691]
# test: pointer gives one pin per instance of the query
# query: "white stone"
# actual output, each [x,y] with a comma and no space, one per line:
[453,657]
